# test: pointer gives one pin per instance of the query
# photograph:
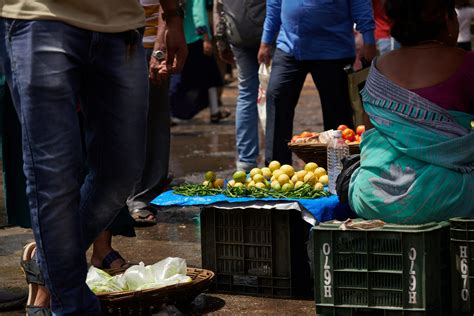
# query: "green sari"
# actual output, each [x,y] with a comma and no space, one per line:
[417,163]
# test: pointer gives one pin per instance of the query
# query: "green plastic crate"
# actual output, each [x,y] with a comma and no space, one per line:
[462,265]
[259,252]
[394,270]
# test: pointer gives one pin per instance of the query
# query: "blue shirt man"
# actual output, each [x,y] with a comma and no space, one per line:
[317,37]
[318,29]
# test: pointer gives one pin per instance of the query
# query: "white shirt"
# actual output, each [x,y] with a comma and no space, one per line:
[465,16]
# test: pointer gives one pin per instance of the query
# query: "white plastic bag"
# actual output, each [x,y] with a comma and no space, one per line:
[167,268]
[263,77]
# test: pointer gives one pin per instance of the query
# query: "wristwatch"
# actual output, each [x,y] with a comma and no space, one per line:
[176,12]
[158,55]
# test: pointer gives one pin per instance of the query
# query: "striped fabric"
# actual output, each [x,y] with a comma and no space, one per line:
[417,163]
[152,8]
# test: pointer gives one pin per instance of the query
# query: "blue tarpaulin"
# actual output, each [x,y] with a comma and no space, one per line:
[323,209]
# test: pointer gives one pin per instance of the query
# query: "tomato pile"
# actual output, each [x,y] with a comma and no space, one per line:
[349,135]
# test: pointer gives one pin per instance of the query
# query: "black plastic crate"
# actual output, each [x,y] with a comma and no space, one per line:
[394,270]
[462,265]
[258,252]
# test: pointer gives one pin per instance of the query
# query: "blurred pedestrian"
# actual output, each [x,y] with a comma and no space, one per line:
[239,31]
[465,14]
[385,42]
[196,86]
[55,54]
[311,37]
[154,176]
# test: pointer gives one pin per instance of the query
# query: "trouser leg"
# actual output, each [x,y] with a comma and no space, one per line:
[246,113]
[286,81]
[331,81]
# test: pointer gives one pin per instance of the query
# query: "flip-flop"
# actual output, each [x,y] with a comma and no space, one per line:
[34,278]
[141,216]
[111,257]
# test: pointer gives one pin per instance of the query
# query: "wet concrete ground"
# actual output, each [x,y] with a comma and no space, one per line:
[197,146]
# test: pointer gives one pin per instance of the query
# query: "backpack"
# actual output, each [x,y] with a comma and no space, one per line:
[244,21]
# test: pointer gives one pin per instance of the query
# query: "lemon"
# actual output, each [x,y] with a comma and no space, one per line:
[274,165]
[218,183]
[267,173]
[238,184]
[310,166]
[319,172]
[287,187]
[239,176]
[277,173]
[207,184]
[260,185]
[299,184]
[289,170]
[276,186]
[231,183]
[272,179]
[300,174]
[294,178]
[310,178]
[324,179]
[318,186]
[283,178]
[255,171]
[251,184]
[210,176]
[247,180]
[258,178]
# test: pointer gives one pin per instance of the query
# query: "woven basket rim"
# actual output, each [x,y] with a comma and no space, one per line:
[198,275]
[313,145]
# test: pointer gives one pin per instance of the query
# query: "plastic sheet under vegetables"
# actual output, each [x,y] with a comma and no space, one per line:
[166,272]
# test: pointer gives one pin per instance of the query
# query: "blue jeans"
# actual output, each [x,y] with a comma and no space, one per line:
[50,67]
[246,113]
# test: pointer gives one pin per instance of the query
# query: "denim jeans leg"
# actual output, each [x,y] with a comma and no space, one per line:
[246,114]
[115,105]
[42,62]
[284,88]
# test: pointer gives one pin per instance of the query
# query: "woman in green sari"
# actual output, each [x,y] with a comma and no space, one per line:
[417,161]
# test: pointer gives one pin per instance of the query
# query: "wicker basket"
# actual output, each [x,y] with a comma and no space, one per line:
[145,302]
[317,152]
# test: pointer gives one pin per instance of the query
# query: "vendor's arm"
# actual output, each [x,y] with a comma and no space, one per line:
[362,15]
[158,72]
[271,28]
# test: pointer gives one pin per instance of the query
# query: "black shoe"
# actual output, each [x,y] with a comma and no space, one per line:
[216,118]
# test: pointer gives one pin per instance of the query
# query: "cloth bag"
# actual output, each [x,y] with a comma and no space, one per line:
[264,78]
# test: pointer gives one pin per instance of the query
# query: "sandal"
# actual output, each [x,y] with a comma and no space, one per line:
[143,217]
[111,257]
[216,118]
[34,278]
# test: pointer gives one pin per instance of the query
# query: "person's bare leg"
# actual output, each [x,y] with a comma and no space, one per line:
[102,247]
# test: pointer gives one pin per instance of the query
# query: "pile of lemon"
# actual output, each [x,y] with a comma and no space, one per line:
[281,177]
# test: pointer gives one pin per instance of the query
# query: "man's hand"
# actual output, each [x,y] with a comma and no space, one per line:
[158,71]
[265,54]
[207,47]
[227,56]
[177,50]
[369,51]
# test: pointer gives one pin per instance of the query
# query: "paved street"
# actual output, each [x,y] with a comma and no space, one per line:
[197,146]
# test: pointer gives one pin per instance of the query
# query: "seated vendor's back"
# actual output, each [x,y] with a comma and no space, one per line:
[417,163]
[440,73]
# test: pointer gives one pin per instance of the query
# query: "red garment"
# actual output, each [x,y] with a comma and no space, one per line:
[456,93]
[382,23]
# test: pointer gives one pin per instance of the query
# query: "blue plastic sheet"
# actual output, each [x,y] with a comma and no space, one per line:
[323,209]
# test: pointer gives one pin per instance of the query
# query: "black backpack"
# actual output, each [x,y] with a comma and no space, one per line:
[244,20]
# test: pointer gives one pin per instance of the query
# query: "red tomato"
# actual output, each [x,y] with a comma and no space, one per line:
[348,134]
[294,138]
[306,134]
[341,127]
[360,129]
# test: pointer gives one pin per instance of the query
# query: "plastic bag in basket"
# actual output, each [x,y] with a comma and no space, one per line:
[264,77]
